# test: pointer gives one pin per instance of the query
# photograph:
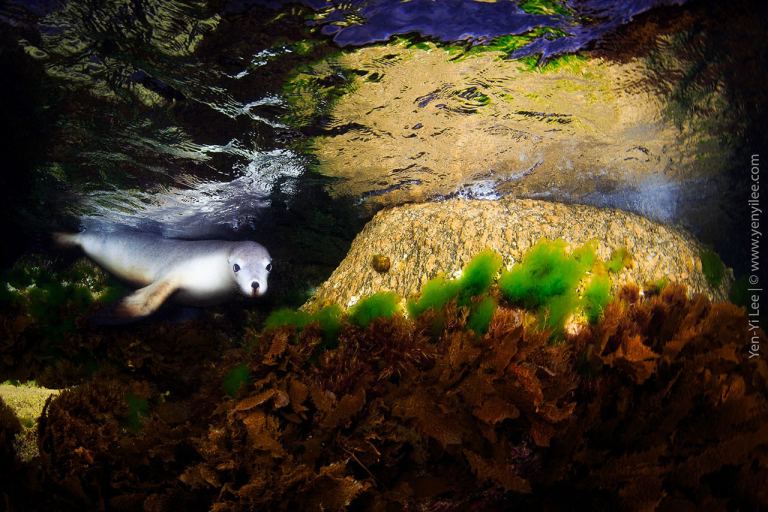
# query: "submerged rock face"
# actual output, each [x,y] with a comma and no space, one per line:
[422,240]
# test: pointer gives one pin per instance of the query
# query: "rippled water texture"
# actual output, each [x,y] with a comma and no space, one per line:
[192,120]
[576,23]
[156,130]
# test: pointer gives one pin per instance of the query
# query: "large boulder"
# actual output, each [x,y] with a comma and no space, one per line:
[418,241]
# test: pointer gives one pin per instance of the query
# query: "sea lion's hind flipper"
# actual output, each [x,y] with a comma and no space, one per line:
[145,301]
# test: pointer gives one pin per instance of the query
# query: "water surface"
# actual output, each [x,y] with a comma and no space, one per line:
[184,118]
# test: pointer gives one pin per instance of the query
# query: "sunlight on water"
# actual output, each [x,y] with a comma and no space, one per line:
[655,197]
[202,208]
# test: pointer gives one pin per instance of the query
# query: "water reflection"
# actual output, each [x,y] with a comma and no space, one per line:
[189,118]
[430,126]
[201,208]
[571,25]
[158,131]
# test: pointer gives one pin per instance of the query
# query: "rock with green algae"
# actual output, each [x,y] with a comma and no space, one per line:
[26,401]
[549,278]
[426,240]
[378,305]
[10,427]
[475,280]
[43,304]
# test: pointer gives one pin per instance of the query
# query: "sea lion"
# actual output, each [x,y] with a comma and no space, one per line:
[201,272]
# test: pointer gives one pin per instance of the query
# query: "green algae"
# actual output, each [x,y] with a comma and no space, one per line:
[481,314]
[435,294]
[236,378]
[655,287]
[740,291]
[476,279]
[545,272]
[378,305]
[553,315]
[548,7]
[138,408]
[620,258]
[547,280]
[287,317]
[54,298]
[478,275]
[470,290]
[586,254]
[328,319]
[596,296]
[551,281]
[712,267]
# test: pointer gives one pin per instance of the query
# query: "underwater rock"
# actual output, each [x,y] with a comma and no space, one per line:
[10,426]
[655,404]
[423,240]
[113,444]
[26,401]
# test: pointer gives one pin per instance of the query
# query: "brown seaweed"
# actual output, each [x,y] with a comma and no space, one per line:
[657,405]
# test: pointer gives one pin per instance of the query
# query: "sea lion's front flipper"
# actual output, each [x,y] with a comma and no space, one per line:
[145,301]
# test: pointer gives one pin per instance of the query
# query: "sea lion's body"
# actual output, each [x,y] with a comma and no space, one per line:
[194,272]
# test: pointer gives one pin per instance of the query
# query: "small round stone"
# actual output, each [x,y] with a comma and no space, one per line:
[381,263]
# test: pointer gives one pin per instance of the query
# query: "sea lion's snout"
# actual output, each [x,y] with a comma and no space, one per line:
[258,289]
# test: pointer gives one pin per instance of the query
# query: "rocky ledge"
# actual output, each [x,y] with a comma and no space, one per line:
[403,247]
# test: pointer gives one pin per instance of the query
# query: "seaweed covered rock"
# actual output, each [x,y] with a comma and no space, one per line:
[657,404]
[26,401]
[111,444]
[48,333]
[10,427]
[424,240]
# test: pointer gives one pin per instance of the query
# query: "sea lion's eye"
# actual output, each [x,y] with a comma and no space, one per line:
[236,267]
[269,267]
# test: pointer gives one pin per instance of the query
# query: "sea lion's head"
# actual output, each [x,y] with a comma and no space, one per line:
[250,264]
